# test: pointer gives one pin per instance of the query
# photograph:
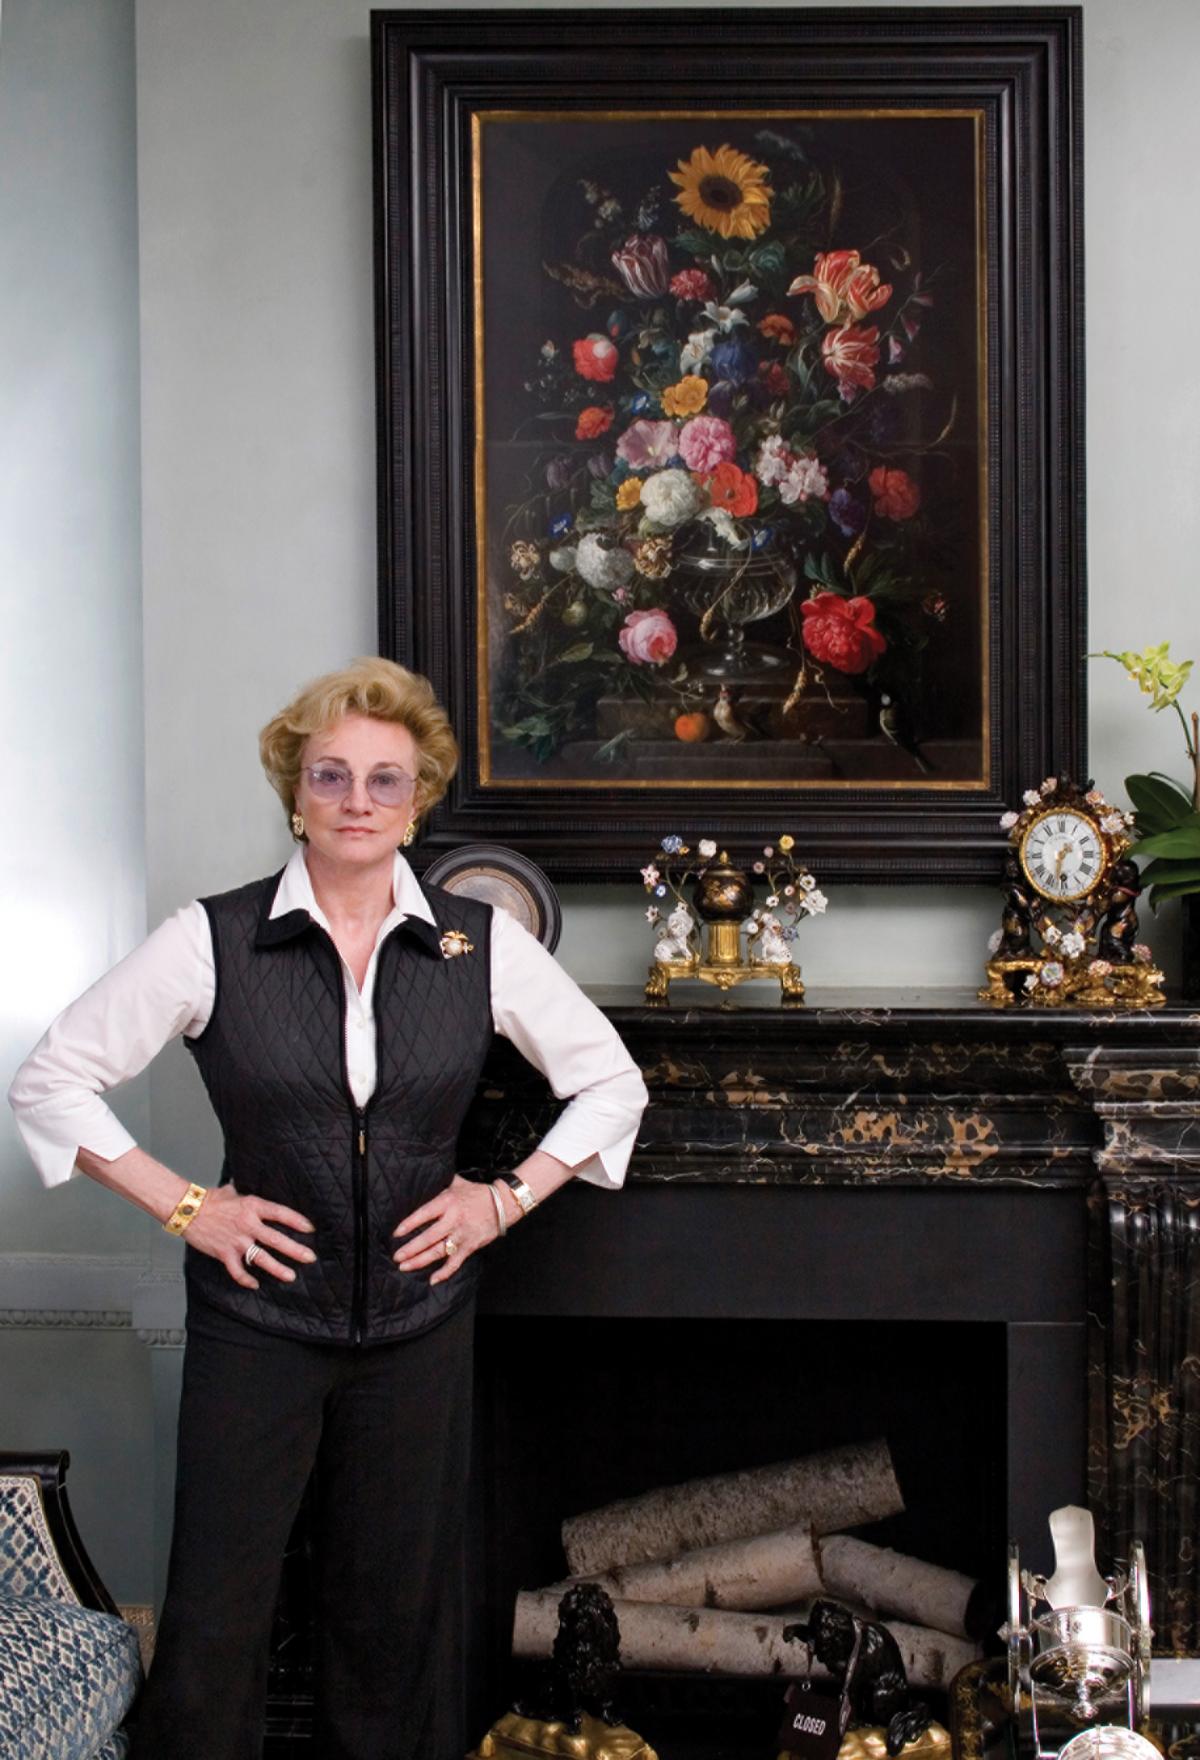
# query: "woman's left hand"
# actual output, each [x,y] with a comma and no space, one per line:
[452,1226]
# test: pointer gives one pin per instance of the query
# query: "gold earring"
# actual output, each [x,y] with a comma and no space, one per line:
[297,826]
[410,833]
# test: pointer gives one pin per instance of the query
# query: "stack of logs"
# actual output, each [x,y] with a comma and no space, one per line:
[693,1570]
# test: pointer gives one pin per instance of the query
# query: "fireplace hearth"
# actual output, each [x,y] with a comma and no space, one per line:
[977,1233]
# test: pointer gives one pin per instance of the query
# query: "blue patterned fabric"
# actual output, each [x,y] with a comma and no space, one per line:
[29,1563]
[67,1678]
[116,1749]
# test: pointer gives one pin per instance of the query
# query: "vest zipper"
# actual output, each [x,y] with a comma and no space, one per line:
[360,1227]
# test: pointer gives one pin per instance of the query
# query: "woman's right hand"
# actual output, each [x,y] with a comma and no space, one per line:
[229,1223]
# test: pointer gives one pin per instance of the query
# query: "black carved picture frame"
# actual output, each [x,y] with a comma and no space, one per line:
[441,82]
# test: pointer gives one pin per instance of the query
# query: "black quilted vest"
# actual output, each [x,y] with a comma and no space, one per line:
[273,1060]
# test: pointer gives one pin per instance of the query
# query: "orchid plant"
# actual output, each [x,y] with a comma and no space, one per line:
[1168,812]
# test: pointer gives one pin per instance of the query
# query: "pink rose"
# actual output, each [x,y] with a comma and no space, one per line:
[595,358]
[647,638]
[705,442]
[647,444]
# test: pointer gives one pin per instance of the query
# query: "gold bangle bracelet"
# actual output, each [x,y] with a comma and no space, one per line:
[184,1213]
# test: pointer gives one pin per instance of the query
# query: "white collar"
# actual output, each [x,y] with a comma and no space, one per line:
[295,893]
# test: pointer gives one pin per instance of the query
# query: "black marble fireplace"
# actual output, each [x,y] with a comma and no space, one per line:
[976,1232]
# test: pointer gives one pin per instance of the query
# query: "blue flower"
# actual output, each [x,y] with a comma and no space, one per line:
[672,844]
[762,537]
[847,512]
[560,526]
[640,404]
[733,360]
[660,891]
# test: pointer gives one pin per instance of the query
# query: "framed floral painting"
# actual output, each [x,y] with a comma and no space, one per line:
[730,423]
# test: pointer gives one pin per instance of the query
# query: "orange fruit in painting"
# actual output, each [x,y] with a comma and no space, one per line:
[692,727]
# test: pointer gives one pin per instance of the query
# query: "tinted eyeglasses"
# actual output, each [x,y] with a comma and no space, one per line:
[389,787]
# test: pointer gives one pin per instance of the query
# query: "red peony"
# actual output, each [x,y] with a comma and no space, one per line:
[647,638]
[851,355]
[775,378]
[595,358]
[734,490]
[593,421]
[691,284]
[841,632]
[896,495]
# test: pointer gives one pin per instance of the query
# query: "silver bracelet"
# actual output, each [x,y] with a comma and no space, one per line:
[501,1219]
[521,1192]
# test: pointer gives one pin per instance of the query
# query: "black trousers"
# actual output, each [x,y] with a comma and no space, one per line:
[389,1429]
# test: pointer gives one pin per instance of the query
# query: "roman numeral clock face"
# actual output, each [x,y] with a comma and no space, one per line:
[1063,854]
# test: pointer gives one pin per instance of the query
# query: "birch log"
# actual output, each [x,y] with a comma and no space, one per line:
[700,1640]
[888,1582]
[769,1570]
[841,1488]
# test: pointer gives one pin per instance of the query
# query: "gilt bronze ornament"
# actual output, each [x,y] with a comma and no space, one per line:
[1068,933]
[723,897]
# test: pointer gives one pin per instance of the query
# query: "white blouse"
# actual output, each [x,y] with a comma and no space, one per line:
[167,986]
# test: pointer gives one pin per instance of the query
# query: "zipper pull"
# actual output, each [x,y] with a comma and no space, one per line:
[362,1134]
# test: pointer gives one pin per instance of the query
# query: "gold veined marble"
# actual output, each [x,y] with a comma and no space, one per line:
[870,1743]
[513,1737]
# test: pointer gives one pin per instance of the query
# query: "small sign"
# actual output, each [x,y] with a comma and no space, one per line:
[812,1724]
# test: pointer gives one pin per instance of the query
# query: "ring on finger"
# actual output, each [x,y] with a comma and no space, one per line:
[449,1246]
[251,1254]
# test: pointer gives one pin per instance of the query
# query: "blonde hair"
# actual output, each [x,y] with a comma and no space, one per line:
[376,688]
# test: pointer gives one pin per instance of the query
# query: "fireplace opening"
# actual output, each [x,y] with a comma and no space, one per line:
[575,1413]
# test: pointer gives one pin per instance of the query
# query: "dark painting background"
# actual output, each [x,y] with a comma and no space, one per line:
[909,183]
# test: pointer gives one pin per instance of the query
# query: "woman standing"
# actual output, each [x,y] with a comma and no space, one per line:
[339,1013]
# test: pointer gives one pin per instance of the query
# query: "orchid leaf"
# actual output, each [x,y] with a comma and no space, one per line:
[1172,889]
[1182,844]
[1160,805]
[1164,872]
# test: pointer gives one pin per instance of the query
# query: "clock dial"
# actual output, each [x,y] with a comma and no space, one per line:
[1063,854]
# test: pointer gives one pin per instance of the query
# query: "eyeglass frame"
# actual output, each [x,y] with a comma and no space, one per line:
[351,778]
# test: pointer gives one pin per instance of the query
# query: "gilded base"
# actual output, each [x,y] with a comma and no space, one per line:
[1121,987]
[513,1737]
[663,974]
[870,1743]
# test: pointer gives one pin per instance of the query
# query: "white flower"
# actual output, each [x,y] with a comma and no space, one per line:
[696,350]
[707,848]
[652,913]
[768,849]
[814,903]
[994,940]
[1094,798]
[774,460]
[1141,953]
[789,892]
[721,521]
[725,318]
[807,882]
[1100,968]
[1050,935]
[1050,784]
[548,351]
[1073,944]
[1052,974]
[602,567]
[1113,822]
[805,477]
[772,900]
[743,293]
[609,209]
[650,875]
[1031,980]
[1031,797]
[668,498]
[1007,820]
[563,559]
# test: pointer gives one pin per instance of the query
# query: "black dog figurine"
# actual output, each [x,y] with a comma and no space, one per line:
[864,1661]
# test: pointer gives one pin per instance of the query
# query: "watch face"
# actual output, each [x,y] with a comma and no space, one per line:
[1062,854]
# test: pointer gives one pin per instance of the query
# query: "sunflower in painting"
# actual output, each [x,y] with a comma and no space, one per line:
[725,191]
